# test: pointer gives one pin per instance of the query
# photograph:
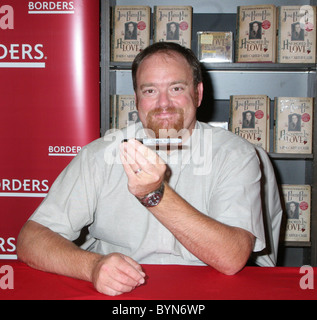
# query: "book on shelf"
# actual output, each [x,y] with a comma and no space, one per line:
[249,118]
[293,130]
[130,32]
[123,111]
[297,201]
[296,34]
[173,24]
[256,33]
[215,46]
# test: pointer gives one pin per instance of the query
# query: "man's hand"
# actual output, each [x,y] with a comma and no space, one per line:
[116,273]
[144,168]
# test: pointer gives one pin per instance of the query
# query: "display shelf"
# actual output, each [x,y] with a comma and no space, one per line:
[225,79]
[274,67]
[293,244]
[291,156]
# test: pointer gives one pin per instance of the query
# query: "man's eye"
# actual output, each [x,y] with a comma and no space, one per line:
[148,91]
[177,89]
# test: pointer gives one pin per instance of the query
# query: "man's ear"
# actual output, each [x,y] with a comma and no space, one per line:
[200,93]
[136,101]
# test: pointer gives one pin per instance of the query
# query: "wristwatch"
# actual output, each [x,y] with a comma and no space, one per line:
[153,198]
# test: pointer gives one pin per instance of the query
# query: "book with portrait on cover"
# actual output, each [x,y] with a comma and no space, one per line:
[296,34]
[249,118]
[173,24]
[293,132]
[256,33]
[297,200]
[215,46]
[130,32]
[124,111]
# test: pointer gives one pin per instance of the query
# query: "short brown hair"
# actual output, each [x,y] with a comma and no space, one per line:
[168,47]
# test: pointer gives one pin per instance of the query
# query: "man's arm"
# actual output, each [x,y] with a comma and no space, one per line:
[223,247]
[48,251]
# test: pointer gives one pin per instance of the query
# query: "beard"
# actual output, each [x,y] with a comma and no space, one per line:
[166,128]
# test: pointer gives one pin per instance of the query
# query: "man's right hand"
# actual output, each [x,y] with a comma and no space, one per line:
[43,249]
[116,273]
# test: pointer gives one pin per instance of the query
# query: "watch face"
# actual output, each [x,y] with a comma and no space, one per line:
[154,200]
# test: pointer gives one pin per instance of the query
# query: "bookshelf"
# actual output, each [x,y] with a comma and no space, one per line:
[223,80]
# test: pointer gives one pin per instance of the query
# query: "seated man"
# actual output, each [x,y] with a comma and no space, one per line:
[196,203]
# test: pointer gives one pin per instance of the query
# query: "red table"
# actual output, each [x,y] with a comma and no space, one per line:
[165,283]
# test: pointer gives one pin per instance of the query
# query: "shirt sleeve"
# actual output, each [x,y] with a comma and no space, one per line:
[236,199]
[71,201]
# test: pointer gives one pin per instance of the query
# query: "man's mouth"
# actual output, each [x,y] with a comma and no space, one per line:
[165,119]
[165,113]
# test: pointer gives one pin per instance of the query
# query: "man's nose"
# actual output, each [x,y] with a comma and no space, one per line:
[164,99]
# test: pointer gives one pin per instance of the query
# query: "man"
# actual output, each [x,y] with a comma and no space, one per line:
[255,31]
[294,122]
[130,31]
[172,31]
[248,121]
[292,210]
[204,194]
[297,32]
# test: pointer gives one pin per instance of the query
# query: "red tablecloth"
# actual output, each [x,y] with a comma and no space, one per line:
[166,283]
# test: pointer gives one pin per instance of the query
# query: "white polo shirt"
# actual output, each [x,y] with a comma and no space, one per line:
[216,171]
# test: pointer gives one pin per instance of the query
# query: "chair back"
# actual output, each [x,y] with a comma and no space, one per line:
[272,212]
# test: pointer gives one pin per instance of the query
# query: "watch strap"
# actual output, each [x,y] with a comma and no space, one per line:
[153,198]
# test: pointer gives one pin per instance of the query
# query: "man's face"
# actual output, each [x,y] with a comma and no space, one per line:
[134,117]
[165,94]
[292,207]
[297,28]
[173,27]
[131,27]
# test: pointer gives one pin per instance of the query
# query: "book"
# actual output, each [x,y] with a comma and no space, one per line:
[297,200]
[173,24]
[249,118]
[256,33]
[296,34]
[215,46]
[124,111]
[293,131]
[130,32]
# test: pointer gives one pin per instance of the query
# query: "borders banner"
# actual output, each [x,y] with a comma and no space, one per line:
[49,91]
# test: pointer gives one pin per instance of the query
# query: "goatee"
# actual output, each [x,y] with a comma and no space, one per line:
[168,127]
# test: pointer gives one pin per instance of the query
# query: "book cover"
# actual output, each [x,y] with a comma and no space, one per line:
[293,125]
[173,24]
[296,34]
[215,46]
[256,33]
[297,200]
[124,109]
[130,32]
[249,118]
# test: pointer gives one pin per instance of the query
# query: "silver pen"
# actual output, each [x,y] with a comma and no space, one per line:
[158,142]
